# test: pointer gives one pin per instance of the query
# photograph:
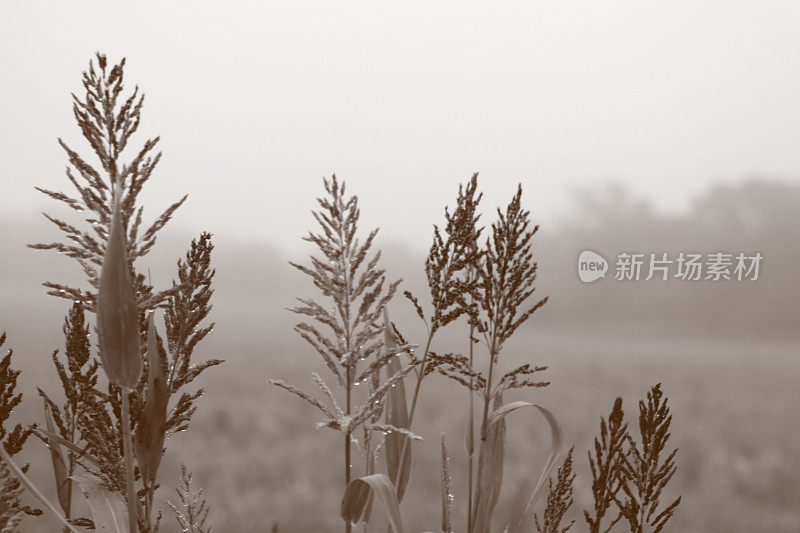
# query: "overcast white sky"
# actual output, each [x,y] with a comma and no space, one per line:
[256,101]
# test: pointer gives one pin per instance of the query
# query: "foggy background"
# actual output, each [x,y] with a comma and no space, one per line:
[647,127]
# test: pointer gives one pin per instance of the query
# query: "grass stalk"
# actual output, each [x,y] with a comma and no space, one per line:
[488,396]
[127,448]
[346,320]
[484,420]
[347,466]
[148,505]
[347,526]
[471,429]
[347,451]
[71,467]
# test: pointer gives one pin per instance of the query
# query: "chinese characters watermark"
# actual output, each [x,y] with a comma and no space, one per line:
[685,266]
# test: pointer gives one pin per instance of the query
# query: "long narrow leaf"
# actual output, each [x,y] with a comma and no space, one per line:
[117,310]
[82,454]
[109,510]
[32,488]
[397,416]
[356,497]
[469,434]
[491,456]
[556,438]
[63,483]
[370,470]
[149,439]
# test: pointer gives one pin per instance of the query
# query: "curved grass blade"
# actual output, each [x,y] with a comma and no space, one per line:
[556,438]
[491,456]
[33,490]
[397,416]
[82,454]
[109,510]
[469,434]
[63,483]
[356,497]
[370,470]
[149,439]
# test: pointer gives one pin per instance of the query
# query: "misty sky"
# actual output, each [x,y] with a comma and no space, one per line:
[256,101]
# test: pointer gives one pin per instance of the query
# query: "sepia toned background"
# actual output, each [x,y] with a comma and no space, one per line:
[651,127]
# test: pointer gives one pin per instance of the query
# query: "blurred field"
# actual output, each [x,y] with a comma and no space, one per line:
[258,455]
[733,408]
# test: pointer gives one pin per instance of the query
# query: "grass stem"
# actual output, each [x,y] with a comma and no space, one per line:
[471,429]
[347,459]
[347,526]
[127,448]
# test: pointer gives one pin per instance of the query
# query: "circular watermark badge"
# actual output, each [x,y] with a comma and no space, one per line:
[591,266]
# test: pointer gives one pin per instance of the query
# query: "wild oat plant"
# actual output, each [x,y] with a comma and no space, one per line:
[628,478]
[357,293]
[645,472]
[108,433]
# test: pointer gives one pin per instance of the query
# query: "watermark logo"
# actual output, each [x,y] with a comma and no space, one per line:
[591,266]
[684,266]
